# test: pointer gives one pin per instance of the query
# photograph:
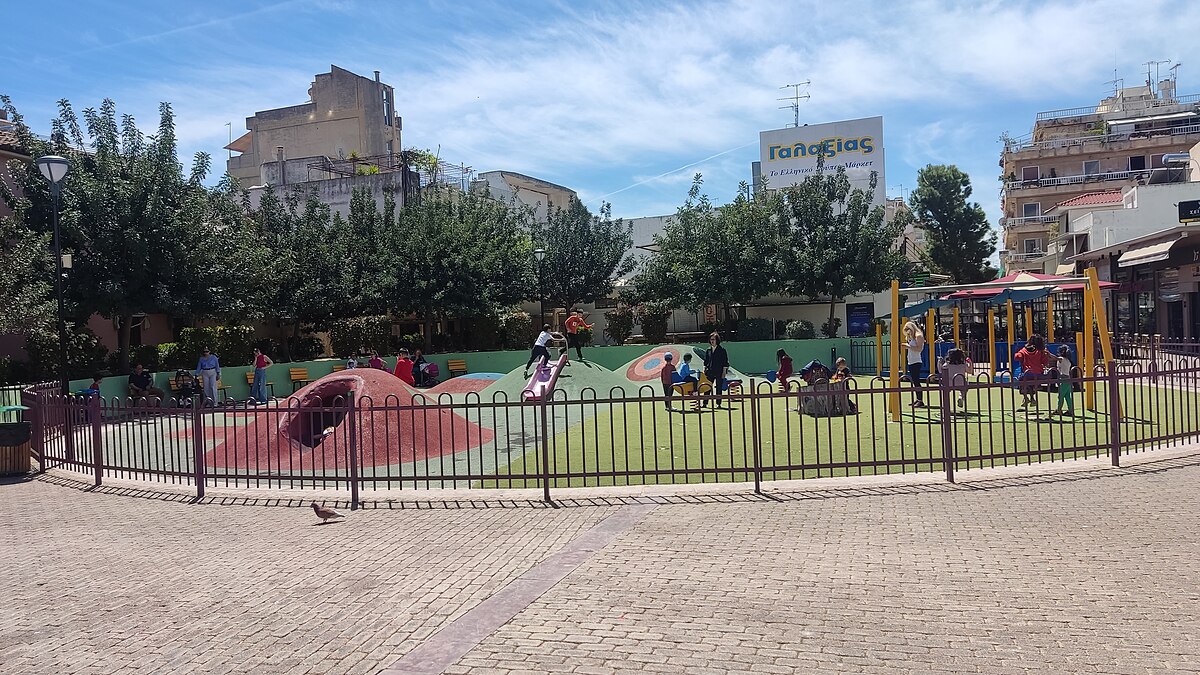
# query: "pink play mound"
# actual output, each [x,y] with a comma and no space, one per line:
[463,384]
[312,431]
[649,366]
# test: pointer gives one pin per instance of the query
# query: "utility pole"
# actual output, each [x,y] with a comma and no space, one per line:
[795,99]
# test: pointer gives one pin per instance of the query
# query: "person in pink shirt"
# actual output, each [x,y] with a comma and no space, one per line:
[258,391]
[1034,360]
[404,369]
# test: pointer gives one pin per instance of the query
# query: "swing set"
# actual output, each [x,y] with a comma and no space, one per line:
[1018,289]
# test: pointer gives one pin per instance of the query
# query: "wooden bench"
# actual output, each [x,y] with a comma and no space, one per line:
[222,391]
[299,377]
[457,367]
[339,368]
[250,382]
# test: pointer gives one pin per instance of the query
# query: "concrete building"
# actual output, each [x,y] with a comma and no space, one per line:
[347,116]
[1075,151]
[540,195]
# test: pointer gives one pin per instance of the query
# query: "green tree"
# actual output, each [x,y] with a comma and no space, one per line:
[585,253]
[713,255]
[138,230]
[458,254]
[26,269]
[834,243]
[959,241]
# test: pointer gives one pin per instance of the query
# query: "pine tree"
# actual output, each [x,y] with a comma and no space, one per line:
[959,241]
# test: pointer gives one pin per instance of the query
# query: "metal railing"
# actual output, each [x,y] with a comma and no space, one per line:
[1027,143]
[1078,179]
[616,437]
[1136,106]
[1027,220]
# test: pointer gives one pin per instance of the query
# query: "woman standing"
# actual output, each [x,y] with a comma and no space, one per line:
[914,349]
[258,390]
[716,365]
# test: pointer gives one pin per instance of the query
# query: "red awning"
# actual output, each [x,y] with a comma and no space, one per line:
[993,287]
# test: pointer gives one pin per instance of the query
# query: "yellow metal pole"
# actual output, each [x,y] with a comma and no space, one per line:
[1012,334]
[956,342]
[1028,322]
[1101,317]
[879,349]
[1089,388]
[1050,318]
[894,369]
[991,344]
[931,337]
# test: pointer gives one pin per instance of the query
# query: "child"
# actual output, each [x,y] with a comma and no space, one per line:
[687,375]
[1034,360]
[841,371]
[955,368]
[376,362]
[404,368]
[1066,392]
[667,375]
[785,369]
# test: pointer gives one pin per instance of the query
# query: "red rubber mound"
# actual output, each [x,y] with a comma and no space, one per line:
[650,365]
[313,432]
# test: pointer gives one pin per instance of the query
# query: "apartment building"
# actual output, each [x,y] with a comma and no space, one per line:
[347,117]
[1114,144]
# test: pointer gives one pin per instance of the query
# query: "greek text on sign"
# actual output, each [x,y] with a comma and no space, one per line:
[788,156]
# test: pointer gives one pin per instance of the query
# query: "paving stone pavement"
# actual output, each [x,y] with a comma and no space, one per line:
[1092,571]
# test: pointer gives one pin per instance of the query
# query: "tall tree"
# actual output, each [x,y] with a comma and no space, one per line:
[121,205]
[585,253]
[25,271]
[712,255]
[833,243]
[959,241]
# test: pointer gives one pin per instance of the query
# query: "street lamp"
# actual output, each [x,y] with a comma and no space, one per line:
[540,254]
[54,168]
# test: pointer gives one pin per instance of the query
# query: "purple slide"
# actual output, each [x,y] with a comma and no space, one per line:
[545,374]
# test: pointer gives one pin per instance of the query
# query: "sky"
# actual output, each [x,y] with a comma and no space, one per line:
[623,102]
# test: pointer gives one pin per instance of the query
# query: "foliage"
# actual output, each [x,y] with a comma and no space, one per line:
[653,317]
[585,337]
[833,243]
[236,345]
[85,355]
[412,341]
[305,348]
[959,241]
[346,336]
[830,328]
[366,170]
[172,357]
[483,332]
[801,329]
[754,329]
[619,324]
[705,254]
[517,329]
[16,372]
[26,273]
[585,253]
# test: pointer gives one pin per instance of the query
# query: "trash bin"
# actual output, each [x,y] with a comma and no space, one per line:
[15,457]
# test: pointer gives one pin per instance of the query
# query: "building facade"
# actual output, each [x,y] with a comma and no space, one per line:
[1071,152]
[347,116]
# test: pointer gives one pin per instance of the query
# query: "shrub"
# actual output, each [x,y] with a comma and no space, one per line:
[235,345]
[147,355]
[347,335]
[801,329]
[517,329]
[584,336]
[16,372]
[754,329]
[192,342]
[305,348]
[172,357]
[268,346]
[85,355]
[830,328]
[482,333]
[653,317]
[620,324]
[412,341]
[780,328]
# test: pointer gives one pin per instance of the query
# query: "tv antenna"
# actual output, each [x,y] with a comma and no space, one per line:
[795,99]
[1155,65]
[1116,82]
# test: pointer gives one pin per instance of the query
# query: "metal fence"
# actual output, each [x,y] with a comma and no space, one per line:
[614,438]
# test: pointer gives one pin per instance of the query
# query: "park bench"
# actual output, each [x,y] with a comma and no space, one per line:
[299,377]
[250,382]
[339,368]
[456,367]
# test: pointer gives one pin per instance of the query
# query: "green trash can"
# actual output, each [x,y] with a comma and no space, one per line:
[15,456]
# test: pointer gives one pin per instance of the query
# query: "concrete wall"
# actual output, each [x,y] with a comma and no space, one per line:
[337,192]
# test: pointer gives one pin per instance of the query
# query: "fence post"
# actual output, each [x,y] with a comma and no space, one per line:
[1154,348]
[96,410]
[198,445]
[352,428]
[545,404]
[1114,414]
[947,428]
[68,413]
[37,419]
[757,449]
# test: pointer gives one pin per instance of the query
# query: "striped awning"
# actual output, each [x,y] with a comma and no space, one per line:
[1146,254]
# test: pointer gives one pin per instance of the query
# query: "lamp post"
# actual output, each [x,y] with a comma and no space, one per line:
[540,254]
[54,168]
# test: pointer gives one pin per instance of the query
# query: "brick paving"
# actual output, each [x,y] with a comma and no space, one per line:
[1042,569]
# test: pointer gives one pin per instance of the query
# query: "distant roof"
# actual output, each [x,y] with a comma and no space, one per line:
[9,140]
[1102,198]
[241,143]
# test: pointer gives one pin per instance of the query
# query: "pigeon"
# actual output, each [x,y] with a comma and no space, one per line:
[325,513]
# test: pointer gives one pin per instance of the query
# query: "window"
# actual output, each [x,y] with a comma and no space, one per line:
[1031,210]
[1029,173]
[1156,162]
[1033,246]
[1137,163]
[1091,167]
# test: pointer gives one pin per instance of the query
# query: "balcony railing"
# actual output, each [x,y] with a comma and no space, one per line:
[1027,143]
[1134,105]
[1028,220]
[1078,179]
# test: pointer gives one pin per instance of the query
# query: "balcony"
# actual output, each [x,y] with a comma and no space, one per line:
[1026,144]
[1041,222]
[1079,179]
[1022,262]
[1139,105]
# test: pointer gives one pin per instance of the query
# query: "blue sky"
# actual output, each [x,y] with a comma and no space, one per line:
[604,96]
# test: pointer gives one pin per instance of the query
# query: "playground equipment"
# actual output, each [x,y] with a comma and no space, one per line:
[545,375]
[1017,289]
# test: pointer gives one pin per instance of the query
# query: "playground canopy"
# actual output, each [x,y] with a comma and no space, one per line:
[1054,284]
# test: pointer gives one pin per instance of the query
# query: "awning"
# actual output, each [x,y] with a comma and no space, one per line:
[920,308]
[1065,270]
[1146,254]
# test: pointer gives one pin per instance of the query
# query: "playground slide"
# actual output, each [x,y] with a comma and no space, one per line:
[545,375]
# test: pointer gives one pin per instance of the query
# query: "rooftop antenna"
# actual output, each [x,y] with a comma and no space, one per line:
[1116,82]
[795,100]
[1150,82]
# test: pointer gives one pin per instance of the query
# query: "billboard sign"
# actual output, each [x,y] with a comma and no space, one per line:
[788,156]
[1189,211]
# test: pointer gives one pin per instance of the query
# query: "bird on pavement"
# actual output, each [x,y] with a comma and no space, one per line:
[325,513]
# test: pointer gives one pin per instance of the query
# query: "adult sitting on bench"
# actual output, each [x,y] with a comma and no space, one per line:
[141,384]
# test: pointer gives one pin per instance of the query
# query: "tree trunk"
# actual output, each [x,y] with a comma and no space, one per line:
[832,311]
[429,332]
[285,351]
[123,337]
